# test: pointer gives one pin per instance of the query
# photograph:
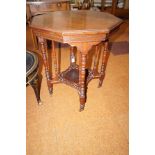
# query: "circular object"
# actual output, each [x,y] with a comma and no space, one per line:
[31,63]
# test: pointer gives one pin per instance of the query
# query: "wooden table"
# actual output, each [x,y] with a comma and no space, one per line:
[80,29]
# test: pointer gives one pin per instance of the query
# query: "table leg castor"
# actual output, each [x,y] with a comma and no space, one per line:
[50,89]
[81,107]
[82,104]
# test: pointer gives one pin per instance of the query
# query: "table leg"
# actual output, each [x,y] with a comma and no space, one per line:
[72,56]
[43,49]
[83,48]
[95,67]
[54,59]
[59,58]
[82,80]
[105,56]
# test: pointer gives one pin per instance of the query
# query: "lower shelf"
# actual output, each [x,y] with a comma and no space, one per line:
[71,76]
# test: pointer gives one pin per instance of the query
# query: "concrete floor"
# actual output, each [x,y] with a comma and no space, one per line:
[58,128]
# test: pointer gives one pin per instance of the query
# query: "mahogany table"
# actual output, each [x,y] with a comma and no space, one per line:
[80,29]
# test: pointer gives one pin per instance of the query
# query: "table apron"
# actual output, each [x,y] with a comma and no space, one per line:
[70,38]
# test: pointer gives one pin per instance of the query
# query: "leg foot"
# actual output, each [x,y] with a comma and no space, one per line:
[101,81]
[40,102]
[50,89]
[100,84]
[82,104]
[81,107]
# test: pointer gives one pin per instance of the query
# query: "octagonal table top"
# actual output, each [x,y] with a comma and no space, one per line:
[76,22]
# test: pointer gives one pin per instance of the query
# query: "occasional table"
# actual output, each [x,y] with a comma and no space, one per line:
[81,30]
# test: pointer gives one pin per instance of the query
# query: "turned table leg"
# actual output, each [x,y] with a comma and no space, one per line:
[54,59]
[43,49]
[82,80]
[83,49]
[105,56]
[96,57]
[72,56]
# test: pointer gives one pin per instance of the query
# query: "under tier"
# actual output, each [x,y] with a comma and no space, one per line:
[71,76]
